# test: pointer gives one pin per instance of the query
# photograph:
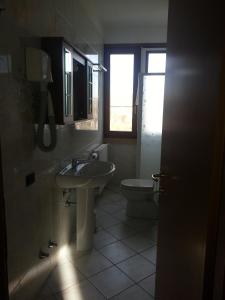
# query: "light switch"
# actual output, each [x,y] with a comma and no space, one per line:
[5,64]
[30,179]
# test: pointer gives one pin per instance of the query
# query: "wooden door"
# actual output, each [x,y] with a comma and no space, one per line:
[3,245]
[219,279]
[191,151]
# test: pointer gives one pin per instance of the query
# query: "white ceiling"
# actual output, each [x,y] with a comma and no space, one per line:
[126,13]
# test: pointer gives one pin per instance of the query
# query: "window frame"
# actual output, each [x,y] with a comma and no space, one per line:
[115,49]
[135,49]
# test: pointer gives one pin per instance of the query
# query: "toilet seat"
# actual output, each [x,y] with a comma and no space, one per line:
[137,184]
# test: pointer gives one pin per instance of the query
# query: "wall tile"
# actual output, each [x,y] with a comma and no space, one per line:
[37,213]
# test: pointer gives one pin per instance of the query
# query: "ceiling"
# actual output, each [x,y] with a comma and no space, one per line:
[109,13]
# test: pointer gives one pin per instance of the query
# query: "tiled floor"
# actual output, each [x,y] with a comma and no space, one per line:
[120,267]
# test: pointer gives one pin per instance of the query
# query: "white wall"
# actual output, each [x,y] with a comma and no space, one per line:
[37,213]
[135,34]
[124,157]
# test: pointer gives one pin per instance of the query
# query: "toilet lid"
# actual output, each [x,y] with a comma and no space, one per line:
[137,184]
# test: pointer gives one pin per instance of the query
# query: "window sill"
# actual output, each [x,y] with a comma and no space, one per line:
[129,141]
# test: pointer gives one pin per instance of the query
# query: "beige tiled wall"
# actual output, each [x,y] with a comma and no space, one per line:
[37,213]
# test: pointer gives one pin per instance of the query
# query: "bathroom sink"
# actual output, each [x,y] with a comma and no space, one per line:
[85,174]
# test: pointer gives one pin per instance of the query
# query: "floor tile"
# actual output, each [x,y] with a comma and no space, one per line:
[149,284]
[124,204]
[61,259]
[140,224]
[51,297]
[112,207]
[139,242]
[113,188]
[133,293]
[64,276]
[111,282]
[137,268]
[117,252]
[118,241]
[153,233]
[73,254]
[121,231]
[45,291]
[83,291]
[107,221]
[98,228]
[92,263]
[121,215]
[100,213]
[150,254]
[108,197]
[103,238]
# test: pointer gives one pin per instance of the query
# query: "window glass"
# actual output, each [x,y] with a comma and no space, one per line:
[153,96]
[68,82]
[121,92]
[156,62]
[120,118]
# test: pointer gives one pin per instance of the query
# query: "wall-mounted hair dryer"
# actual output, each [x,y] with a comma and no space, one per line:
[38,69]
[2,5]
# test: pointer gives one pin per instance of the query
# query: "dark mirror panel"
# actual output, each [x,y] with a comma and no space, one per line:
[79,91]
[72,86]
[89,90]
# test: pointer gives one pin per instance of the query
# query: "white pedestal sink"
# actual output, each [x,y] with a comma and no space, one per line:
[84,177]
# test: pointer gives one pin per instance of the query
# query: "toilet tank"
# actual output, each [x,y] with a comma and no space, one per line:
[102,151]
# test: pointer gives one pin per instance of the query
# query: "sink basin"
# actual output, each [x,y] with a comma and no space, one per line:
[86,174]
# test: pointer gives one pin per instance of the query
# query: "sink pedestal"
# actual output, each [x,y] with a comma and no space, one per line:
[85,176]
[85,218]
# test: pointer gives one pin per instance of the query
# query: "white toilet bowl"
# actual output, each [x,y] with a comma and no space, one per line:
[140,198]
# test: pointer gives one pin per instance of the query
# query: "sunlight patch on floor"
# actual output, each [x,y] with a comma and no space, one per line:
[71,272]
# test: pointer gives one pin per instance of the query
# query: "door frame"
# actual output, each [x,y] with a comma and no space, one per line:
[218,260]
[4,294]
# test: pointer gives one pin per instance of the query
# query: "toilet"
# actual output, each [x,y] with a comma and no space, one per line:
[141,200]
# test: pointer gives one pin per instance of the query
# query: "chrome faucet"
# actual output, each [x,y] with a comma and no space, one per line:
[73,162]
[76,161]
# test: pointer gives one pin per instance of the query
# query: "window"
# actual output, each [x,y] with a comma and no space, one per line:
[68,82]
[153,93]
[156,62]
[123,65]
[121,92]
